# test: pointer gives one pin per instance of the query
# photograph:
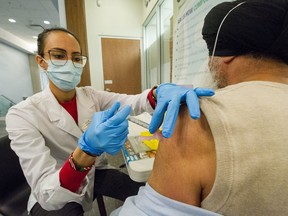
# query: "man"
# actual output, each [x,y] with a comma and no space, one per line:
[233,160]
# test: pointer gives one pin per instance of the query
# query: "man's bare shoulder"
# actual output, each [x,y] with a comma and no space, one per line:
[185,164]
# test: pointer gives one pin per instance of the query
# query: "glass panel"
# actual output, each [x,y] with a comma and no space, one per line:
[152,52]
[5,104]
[166,13]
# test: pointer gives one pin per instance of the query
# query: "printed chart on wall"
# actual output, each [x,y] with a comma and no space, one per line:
[190,54]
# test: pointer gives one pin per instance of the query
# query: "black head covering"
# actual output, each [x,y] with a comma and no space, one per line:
[256,27]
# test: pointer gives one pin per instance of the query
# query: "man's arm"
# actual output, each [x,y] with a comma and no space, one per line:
[185,164]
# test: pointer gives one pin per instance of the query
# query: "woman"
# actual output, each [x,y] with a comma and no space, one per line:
[65,167]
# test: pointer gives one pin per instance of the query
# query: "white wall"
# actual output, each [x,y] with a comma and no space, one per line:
[114,18]
[148,9]
[14,41]
[15,76]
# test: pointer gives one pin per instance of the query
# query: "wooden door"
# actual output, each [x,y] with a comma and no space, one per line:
[76,22]
[121,65]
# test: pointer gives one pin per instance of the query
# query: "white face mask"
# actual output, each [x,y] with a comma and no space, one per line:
[65,77]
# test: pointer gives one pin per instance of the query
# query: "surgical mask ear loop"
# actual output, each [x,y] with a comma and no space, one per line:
[44,61]
[217,35]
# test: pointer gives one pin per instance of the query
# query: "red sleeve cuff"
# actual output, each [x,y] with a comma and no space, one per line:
[151,99]
[70,178]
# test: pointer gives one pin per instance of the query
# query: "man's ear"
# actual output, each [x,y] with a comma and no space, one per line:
[41,62]
[228,59]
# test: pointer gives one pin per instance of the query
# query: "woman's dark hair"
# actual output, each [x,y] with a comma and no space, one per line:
[43,35]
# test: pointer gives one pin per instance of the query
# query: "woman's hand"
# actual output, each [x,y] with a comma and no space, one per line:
[169,98]
[107,132]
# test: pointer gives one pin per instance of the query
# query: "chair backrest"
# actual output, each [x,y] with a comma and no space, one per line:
[11,174]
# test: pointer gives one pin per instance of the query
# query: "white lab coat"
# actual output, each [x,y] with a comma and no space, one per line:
[43,135]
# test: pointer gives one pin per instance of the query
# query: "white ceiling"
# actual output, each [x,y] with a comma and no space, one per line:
[27,12]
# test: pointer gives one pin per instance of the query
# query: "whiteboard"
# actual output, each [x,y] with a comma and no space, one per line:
[190,53]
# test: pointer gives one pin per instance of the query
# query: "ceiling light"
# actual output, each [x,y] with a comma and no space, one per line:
[12,20]
[46,22]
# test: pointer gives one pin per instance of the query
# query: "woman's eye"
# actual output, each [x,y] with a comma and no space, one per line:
[59,56]
[77,59]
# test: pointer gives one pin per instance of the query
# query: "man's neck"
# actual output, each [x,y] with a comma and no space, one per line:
[246,68]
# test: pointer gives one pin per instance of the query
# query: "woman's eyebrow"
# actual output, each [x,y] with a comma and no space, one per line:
[60,49]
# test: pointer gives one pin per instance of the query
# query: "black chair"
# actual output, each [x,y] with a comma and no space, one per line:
[101,205]
[14,190]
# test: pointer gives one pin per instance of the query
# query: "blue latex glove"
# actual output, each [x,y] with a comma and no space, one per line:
[107,132]
[169,97]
